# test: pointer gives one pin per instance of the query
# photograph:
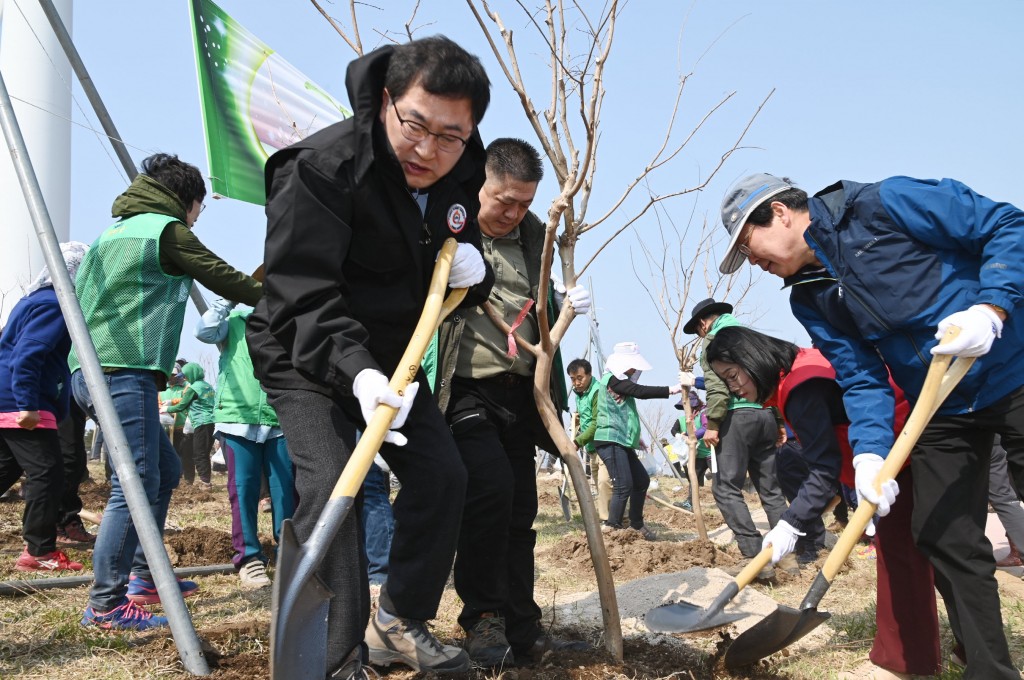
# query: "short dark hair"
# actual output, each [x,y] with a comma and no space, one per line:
[184,179]
[763,357]
[794,199]
[514,158]
[441,67]
[577,364]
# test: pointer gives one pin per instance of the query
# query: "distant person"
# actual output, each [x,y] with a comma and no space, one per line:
[356,216]
[34,399]
[71,432]
[617,433]
[133,288]
[253,443]
[585,389]
[877,273]
[198,400]
[680,430]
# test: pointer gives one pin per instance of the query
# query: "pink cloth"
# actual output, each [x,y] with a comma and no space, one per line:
[9,421]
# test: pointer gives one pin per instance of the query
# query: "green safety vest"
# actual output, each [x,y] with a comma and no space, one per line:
[584,403]
[240,399]
[616,422]
[133,309]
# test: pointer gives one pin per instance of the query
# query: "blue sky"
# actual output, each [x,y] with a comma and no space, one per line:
[862,91]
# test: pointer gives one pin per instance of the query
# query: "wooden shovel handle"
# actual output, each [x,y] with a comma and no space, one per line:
[938,384]
[750,572]
[434,310]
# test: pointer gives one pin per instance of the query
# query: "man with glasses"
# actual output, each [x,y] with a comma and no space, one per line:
[877,274]
[356,215]
[745,435]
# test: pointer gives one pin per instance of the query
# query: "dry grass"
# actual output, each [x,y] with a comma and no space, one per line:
[40,635]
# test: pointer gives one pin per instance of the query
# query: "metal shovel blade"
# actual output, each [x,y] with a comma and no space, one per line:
[563,497]
[684,617]
[299,605]
[774,632]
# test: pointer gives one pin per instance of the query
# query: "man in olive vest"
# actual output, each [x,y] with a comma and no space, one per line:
[486,393]
[581,373]
[133,287]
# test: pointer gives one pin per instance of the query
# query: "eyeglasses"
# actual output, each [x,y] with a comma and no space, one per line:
[744,245]
[202,207]
[735,379]
[417,132]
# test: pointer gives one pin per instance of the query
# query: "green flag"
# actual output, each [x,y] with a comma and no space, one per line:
[253,101]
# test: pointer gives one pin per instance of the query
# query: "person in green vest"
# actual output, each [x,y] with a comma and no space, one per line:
[133,287]
[617,434]
[584,387]
[679,430]
[175,422]
[198,401]
[252,440]
[745,435]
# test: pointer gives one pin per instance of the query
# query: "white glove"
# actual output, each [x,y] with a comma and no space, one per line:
[675,389]
[866,467]
[782,539]
[579,298]
[468,268]
[371,388]
[687,379]
[979,327]
[557,291]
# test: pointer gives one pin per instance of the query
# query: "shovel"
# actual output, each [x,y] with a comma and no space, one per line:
[298,620]
[786,625]
[685,617]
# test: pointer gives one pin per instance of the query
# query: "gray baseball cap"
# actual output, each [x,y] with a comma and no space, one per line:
[741,200]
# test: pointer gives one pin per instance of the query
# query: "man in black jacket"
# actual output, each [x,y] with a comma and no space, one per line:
[356,215]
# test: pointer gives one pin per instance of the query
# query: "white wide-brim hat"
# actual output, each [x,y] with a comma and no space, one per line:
[625,356]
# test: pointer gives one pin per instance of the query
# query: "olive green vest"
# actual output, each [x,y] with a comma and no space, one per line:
[133,309]
[584,407]
[617,421]
[240,399]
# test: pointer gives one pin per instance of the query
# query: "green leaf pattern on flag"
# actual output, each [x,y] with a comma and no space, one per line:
[253,102]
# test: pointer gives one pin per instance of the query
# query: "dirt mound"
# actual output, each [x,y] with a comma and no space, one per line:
[198,546]
[631,556]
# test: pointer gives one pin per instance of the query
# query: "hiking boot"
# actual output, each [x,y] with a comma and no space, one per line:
[253,575]
[392,639]
[204,485]
[143,591]
[74,533]
[648,534]
[766,575]
[126,616]
[486,643]
[548,643]
[55,561]
[789,564]
[1012,558]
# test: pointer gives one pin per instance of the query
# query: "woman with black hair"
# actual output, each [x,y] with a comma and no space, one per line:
[801,384]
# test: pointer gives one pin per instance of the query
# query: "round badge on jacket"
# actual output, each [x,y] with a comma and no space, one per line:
[456,218]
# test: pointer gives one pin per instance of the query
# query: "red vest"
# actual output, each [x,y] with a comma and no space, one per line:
[809,364]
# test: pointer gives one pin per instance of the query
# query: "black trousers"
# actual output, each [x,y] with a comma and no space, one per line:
[195,454]
[321,435]
[630,482]
[37,454]
[792,471]
[497,429]
[72,445]
[950,466]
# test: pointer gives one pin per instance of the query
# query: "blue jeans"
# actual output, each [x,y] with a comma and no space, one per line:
[117,553]
[378,524]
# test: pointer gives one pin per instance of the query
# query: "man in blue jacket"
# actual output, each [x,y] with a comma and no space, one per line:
[877,273]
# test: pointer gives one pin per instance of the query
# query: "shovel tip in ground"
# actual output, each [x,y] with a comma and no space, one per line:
[684,617]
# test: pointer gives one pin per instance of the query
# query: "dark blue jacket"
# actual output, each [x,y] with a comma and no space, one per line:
[899,256]
[34,351]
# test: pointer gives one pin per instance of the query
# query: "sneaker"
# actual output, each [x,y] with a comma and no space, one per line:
[143,591]
[766,575]
[74,533]
[253,575]
[265,505]
[55,561]
[486,643]
[392,639]
[204,485]
[126,616]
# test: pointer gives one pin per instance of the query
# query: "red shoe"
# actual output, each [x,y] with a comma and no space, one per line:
[1012,558]
[55,561]
[74,533]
